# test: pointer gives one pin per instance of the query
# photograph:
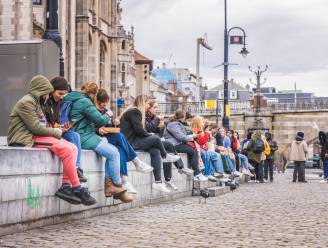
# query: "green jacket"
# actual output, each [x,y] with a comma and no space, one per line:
[24,119]
[86,118]
[251,155]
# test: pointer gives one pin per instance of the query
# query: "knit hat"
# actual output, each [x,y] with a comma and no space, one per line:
[300,135]
[59,83]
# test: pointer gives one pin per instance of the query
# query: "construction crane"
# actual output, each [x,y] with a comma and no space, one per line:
[200,42]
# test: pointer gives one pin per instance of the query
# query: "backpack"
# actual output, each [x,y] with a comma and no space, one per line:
[65,109]
[258,146]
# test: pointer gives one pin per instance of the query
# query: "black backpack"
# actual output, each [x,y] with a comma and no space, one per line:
[258,146]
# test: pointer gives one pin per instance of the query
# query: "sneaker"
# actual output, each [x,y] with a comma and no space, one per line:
[81,176]
[85,197]
[143,167]
[237,174]
[212,178]
[161,187]
[67,194]
[200,177]
[323,181]
[218,175]
[170,186]
[130,188]
[171,158]
[187,171]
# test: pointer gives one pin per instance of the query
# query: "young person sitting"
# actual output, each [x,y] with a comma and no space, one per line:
[87,117]
[133,121]
[126,151]
[52,110]
[28,127]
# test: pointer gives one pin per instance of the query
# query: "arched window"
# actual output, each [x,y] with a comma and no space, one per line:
[123,45]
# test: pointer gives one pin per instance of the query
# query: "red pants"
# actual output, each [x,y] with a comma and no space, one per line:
[67,152]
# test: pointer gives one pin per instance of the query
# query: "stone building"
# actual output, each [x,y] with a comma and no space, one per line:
[95,45]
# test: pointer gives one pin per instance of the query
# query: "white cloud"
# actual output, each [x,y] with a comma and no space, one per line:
[290,36]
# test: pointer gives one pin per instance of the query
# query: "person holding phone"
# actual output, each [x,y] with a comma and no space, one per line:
[52,109]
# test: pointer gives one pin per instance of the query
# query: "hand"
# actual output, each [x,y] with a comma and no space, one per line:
[116,122]
[67,125]
[102,131]
[109,113]
[63,129]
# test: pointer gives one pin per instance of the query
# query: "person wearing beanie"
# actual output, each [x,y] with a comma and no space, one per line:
[28,128]
[52,109]
[298,153]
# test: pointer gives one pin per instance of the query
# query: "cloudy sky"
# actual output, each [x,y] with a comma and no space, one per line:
[290,36]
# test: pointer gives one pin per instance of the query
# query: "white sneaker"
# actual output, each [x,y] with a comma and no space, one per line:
[161,187]
[247,172]
[212,178]
[170,186]
[130,188]
[200,177]
[323,181]
[187,171]
[237,174]
[171,158]
[143,167]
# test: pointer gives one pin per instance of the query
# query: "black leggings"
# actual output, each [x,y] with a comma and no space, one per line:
[192,156]
[155,147]
[167,167]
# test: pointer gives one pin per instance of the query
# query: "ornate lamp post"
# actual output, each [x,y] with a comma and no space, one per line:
[257,97]
[234,40]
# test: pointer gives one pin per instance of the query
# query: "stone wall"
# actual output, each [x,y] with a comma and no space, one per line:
[29,178]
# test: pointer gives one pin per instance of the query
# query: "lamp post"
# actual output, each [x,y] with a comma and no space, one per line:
[243,52]
[52,32]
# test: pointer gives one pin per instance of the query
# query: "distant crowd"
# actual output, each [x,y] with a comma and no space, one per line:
[52,116]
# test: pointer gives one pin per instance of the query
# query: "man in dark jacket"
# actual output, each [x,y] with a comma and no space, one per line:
[269,161]
[323,138]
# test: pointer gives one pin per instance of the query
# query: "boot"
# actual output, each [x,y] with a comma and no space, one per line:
[125,197]
[112,189]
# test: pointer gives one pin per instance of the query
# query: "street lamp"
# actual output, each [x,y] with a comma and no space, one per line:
[235,40]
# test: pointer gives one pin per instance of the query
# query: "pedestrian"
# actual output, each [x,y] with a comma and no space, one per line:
[255,148]
[298,153]
[269,161]
[28,128]
[323,138]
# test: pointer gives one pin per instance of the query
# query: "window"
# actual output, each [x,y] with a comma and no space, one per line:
[123,78]
[123,67]
[221,94]
[233,94]
[104,9]
[37,2]
[102,58]
[123,45]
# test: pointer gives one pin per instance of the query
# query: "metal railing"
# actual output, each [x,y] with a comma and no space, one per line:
[199,108]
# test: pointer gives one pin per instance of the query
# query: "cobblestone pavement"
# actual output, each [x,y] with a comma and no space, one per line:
[281,214]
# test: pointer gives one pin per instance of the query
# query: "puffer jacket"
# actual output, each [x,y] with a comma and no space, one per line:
[24,119]
[298,150]
[86,119]
[176,133]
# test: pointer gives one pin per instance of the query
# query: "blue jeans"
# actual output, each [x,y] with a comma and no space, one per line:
[112,155]
[208,170]
[243,161]
[126,151]
[325,168]
[216,161]
[74,138]
[230,165]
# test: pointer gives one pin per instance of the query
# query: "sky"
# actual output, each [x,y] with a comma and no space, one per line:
[290,36]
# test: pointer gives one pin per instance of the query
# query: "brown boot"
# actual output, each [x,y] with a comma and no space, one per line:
[125,197]
[113,189]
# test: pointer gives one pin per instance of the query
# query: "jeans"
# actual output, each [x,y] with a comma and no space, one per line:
[230,165]
[268,169]
[208,170]
[155,147]
[243,160]
[112,155]
[299,171]
[74,138]
[258,170]
[216,161]
[191,154]
[325,168]
[126,151]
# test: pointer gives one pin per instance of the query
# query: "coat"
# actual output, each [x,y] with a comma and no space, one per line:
[176,133]
[298,150]
[254,156]
[86,118]
[24,119]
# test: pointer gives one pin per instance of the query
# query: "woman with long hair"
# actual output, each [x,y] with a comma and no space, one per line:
[133,122]
[86,118]
[117,139]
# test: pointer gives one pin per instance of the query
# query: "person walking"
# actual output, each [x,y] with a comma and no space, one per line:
[298,153]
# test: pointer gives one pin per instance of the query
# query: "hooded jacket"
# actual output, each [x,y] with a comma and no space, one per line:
[86,118]
[323,138]
[254,156]
[24,119]
[298,150]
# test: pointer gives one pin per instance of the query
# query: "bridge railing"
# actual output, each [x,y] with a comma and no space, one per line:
[199,108]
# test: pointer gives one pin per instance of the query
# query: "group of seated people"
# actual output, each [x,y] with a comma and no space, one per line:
[52,116]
